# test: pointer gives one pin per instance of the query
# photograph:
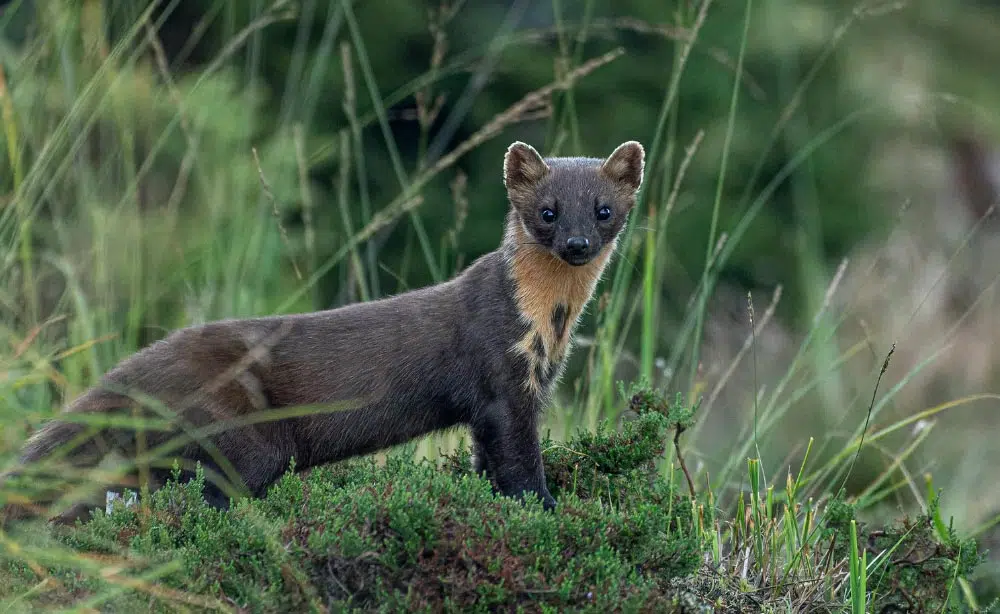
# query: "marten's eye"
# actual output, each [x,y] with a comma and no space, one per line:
[548,215]
[604,213]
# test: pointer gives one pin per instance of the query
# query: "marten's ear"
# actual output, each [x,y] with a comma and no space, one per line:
[523,168]
[625,165]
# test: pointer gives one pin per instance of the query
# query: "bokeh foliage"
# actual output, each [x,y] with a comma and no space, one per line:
[257,73]
[132,201]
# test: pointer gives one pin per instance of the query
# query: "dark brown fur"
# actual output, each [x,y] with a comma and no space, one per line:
[483,349]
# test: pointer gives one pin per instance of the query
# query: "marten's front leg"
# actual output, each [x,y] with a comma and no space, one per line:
[507,448]
[480,463]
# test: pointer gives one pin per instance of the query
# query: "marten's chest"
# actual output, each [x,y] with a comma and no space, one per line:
[546,344]
[551,295]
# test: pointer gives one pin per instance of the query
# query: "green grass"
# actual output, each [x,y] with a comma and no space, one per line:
[430,536]
[182,215]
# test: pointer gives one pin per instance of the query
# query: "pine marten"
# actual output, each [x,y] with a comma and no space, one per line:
[483,349]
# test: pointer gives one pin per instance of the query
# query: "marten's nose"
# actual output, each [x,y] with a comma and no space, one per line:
[577,245]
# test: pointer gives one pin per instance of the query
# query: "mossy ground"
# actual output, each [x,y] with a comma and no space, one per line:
[425,536]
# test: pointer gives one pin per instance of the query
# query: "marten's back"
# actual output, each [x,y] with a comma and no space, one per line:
[456,334]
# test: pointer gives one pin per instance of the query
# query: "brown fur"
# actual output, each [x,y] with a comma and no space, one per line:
[481,350]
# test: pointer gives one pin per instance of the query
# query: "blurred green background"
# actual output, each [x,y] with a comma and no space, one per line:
[845,152]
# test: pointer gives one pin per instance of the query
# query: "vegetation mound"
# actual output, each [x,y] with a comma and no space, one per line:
[404,535]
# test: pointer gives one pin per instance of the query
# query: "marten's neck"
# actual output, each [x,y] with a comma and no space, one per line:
[551,294]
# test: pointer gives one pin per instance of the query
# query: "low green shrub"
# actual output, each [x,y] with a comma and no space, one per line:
[431,536]
[421,536]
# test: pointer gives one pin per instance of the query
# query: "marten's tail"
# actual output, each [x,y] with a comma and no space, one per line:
[58,452]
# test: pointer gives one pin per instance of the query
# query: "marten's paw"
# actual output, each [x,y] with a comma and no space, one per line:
[548,503]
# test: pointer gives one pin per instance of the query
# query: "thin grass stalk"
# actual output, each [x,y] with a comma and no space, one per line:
[603,394]
[717,203]
[390,142]
[656,233]
[343,193]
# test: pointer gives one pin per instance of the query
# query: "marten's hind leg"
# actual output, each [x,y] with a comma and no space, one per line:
[258,461]
[40,486]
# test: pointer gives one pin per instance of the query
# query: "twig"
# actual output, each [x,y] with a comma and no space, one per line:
[680,458]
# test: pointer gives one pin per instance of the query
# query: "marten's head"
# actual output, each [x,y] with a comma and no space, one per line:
[574,207]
